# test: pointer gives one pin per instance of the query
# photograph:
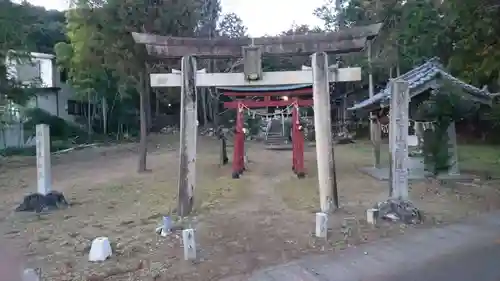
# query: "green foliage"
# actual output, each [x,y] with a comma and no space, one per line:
[46,28]
[475,31]
[231,26]
[465,34]
[435,149]
[24,28]
[487,122]
[288,62]
[105,63]
[444,107]
[31,150]
[490,116]
[13,30]
[59,128]
[253,124]
[13,36]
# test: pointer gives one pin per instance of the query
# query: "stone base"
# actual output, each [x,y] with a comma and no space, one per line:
[279,146]
[396,210]
[38,203]
[287,146]
[382,174]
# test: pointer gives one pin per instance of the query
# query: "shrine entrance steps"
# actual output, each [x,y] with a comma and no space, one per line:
[276,141]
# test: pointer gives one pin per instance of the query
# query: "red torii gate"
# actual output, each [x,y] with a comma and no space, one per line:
[297,96]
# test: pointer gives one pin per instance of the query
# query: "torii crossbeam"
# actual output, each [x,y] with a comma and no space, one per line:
[252,50]
[344,41]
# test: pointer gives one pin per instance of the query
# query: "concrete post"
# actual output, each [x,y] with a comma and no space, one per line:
[44,176]
[189,244]
[321,225]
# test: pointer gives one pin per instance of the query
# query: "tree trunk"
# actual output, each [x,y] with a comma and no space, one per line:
[215,110]
[157,104]
[210,113]
[147,100]
[89,117]
[204,105]
[104,115]
[147,109]
[213,101]
[143,148]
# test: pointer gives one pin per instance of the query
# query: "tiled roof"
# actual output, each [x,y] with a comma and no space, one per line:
[419,76]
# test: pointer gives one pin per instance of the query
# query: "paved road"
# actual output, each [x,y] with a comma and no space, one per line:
[468,251]
[481,263]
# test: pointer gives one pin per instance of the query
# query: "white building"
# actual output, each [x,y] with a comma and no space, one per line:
[54,95]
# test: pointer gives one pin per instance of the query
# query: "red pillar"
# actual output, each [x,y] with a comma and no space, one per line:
[241,121]
[294,137]
[297,142]
[239,142]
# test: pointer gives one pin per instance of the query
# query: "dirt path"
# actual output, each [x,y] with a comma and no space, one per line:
[263,178]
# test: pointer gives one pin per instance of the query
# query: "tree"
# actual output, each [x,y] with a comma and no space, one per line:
[231,26]
[464,34]
[207,28]
[475,31]
[14,44]
[413,32]
[46,28]
[289,62]
[419,29]
[101,50]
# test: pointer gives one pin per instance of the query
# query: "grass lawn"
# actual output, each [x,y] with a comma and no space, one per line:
[479,159]
[473,158]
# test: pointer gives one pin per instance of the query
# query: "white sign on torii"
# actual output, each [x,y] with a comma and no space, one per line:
[204,79]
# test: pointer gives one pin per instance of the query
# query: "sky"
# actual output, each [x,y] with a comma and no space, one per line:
[260,16]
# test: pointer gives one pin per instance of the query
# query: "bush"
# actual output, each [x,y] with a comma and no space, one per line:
[443,108]
[60,129]
[435,149]
[31,150]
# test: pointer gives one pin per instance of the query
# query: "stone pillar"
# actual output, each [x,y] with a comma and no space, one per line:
[398,138]
[453,150]
[44,176]
[188,132]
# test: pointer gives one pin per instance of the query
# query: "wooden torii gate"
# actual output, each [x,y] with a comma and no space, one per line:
[252,49]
